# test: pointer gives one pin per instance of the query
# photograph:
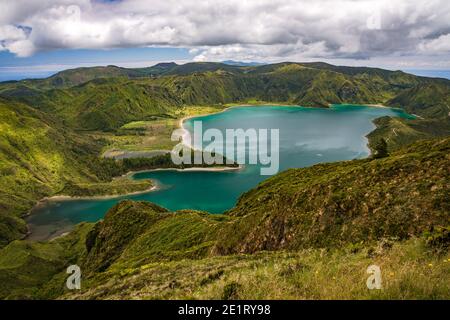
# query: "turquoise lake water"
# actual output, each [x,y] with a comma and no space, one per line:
[307,136]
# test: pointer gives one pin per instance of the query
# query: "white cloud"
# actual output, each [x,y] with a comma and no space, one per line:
[15,39]
[236,29]
[438,45]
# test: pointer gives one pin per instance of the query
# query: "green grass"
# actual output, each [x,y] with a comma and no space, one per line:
[144,136]
[26,267]
[118,186]
[332,204]
[180,235]
[152,134]
[107,98]
[304,234]
[52,132]
[408,270]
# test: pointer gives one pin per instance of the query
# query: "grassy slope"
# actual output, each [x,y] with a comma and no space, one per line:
[25,267]
[317,215]
[409,271]
[104,104]
[116,97]
[38,162]
[36,157]
[312,233]
[430,101]
[39,157]
[329,204]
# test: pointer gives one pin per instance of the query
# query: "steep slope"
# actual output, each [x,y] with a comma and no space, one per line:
[430,101]
[77,76]
[38,155]
[102,104]
[358,201]
[109,104]
[122,224]
[107,97]
[133,233]
[302,227]
[26,267]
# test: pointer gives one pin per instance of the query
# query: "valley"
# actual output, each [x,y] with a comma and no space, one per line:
[306,136]
[293,236]
[330,209]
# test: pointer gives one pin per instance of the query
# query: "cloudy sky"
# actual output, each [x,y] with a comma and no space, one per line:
[48,35]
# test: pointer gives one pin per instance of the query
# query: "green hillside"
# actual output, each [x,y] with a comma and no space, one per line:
[333,204]
[305,233]
[73,77]
[39,157]
[105,98]
[26,266]
[48,145]
[428,100]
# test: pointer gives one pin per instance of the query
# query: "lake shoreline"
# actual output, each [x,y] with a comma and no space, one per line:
[182,120]
[192,169]
[129,175]
[330,106]
[62,197]
[155,187]
[210,169]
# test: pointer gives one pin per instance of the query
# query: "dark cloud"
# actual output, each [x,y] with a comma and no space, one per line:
[236,29]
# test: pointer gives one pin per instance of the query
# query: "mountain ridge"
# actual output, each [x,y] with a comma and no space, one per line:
[118,96]
[271,232]
[135,94]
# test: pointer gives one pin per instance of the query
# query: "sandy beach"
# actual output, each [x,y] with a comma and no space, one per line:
[155,187]
[129,174]
[64,197]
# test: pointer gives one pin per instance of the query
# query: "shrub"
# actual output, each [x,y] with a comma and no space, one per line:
[380,149]
[231,291]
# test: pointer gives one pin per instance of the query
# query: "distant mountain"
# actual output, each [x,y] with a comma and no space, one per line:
[293,233]
[242,64]
[157,69]
[105,98]
[73,77]
[347,212]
